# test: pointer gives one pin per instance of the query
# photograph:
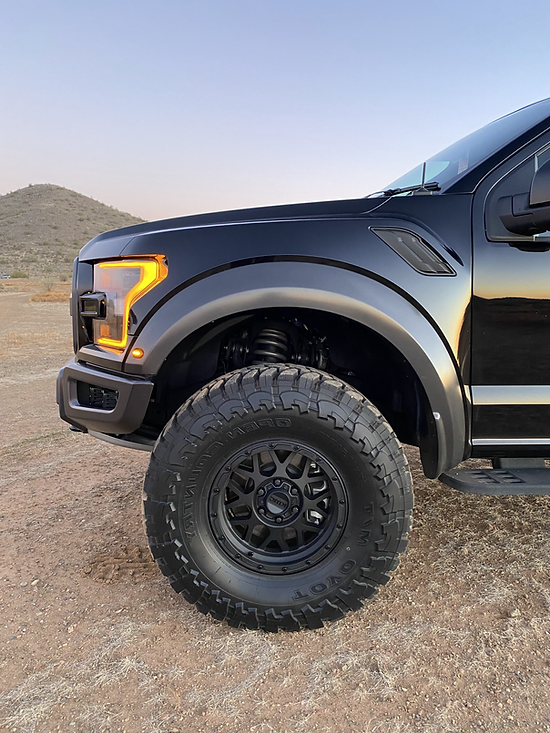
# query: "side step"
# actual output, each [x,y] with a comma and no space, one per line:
[499,481]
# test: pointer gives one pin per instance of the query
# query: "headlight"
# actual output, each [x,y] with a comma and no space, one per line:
[123,282]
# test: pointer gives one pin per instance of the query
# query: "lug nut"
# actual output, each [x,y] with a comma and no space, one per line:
[261,492]
[261,510]
[294,492]
[278,520]
[277,482]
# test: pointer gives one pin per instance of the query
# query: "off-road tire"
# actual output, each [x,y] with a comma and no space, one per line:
[277,497]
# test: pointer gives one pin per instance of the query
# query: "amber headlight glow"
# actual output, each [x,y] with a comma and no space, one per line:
[123,282]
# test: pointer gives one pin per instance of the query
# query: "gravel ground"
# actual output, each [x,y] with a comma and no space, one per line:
[93,639]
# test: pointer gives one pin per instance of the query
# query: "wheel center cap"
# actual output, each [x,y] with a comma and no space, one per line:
[278,501]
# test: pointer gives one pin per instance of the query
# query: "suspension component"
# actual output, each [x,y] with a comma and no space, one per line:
[271,346]
[274,342]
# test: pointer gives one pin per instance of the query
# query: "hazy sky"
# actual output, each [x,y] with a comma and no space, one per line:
[166,108]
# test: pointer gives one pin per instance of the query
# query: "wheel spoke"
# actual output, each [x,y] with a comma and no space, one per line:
[315,505]
[237,494]
[313,489]
[248,523]
[305,530]
[244,475]
[284,464]
[255,473]
[303,524]
[276,534]
[302,481]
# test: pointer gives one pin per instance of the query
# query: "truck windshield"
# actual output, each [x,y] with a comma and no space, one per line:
[450,164]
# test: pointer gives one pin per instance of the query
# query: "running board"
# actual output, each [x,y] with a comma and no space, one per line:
[499,481]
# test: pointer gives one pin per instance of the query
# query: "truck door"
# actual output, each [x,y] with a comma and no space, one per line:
[510,370]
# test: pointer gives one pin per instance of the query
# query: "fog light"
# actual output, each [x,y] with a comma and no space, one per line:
[137,353]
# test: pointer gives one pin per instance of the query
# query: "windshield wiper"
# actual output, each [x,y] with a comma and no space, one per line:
[432,186]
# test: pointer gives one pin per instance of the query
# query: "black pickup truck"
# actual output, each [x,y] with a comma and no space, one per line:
[275,359]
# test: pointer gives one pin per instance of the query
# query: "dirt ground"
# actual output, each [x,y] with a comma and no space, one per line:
[93,638]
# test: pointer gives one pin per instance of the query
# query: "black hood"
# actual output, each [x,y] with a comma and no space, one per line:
[318,209]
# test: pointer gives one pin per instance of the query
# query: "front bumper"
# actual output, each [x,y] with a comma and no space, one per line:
[101,402]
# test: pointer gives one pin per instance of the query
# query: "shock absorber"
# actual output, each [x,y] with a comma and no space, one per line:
[271,346]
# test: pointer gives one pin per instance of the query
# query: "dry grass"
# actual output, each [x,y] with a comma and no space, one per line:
[51,296]
[19,285]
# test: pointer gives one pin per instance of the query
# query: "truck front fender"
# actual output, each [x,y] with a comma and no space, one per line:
[331,289]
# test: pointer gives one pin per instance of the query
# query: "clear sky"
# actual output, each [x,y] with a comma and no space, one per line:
[173,107]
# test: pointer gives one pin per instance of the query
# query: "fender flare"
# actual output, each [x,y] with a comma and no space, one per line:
[341,292]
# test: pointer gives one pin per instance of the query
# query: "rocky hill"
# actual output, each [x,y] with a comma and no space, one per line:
[42,228]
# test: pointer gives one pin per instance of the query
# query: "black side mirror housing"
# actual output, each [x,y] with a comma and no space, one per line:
[528,213]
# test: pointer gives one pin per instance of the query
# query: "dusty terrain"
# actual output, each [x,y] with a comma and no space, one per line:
[93,639]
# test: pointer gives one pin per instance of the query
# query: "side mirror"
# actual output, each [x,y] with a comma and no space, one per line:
[528,213]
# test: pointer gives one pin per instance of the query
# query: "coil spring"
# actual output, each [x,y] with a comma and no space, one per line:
[270,346]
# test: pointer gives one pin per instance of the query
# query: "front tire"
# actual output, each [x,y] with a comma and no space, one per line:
[277,497]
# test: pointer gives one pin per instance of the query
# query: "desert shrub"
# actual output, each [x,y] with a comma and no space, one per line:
[19,273]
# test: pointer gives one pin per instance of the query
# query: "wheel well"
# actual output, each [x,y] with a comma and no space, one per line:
[349,350]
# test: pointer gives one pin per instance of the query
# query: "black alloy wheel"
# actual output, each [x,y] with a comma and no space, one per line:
[279,507]
[277,497]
